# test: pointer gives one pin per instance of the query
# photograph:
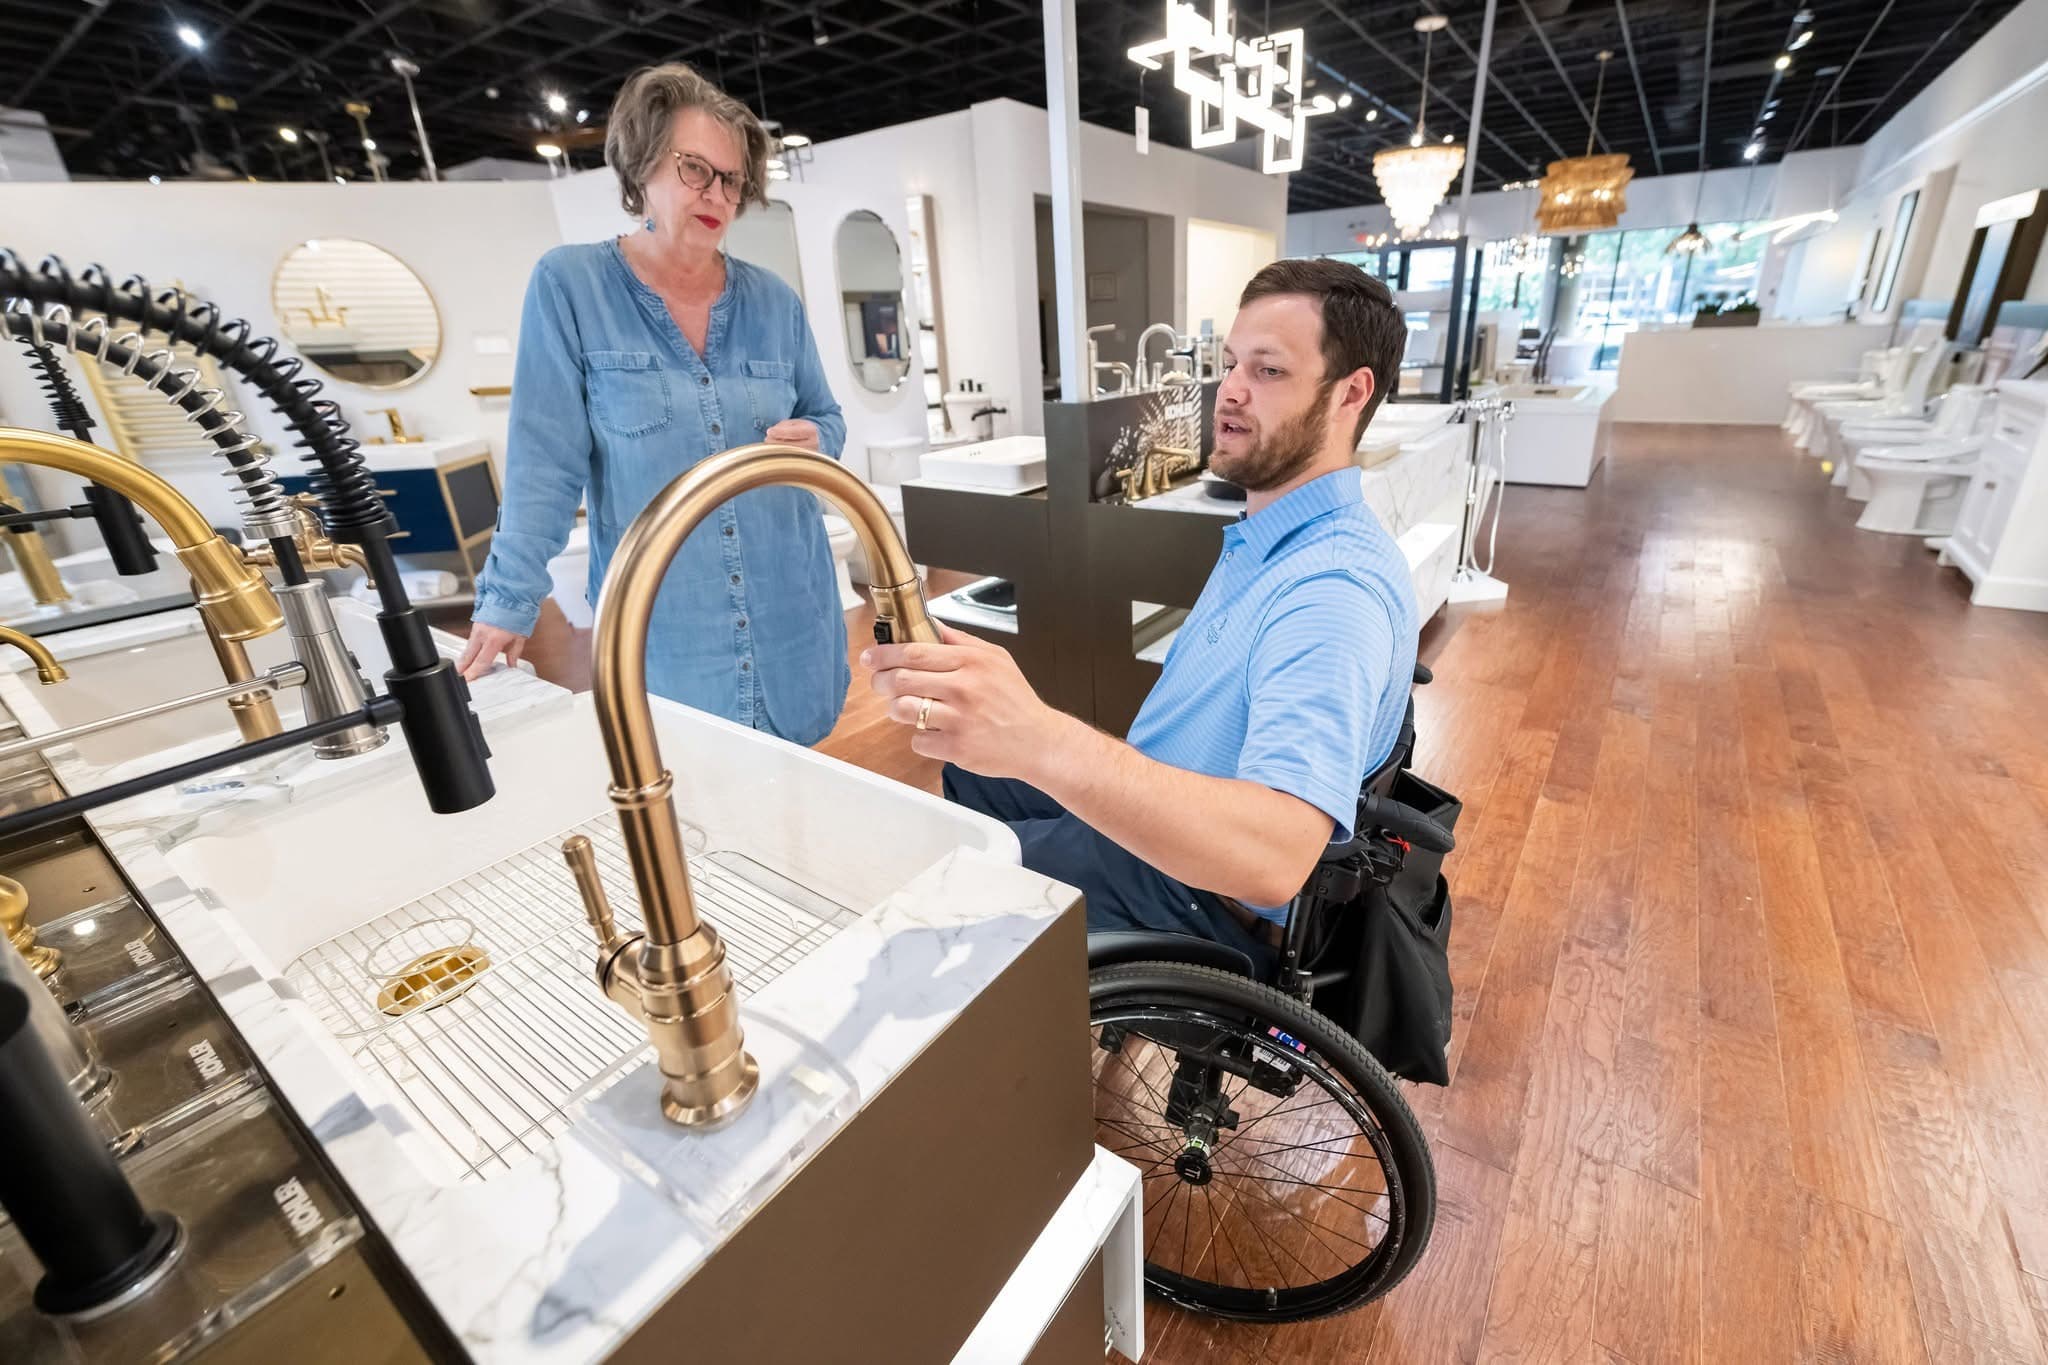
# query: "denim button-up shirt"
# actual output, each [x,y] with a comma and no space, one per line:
[609,397]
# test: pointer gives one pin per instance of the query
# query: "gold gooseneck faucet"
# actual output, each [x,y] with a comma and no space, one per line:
[233,596]
[673,977]
[48,670]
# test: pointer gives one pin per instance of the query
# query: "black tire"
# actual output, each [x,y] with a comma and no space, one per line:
[1183,1013]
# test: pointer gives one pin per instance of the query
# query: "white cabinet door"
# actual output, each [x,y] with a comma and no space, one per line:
[1973,519]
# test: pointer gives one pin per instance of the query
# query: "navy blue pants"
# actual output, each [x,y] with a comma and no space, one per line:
[1123,891]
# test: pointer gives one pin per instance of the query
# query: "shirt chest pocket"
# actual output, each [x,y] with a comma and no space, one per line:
[628,392]
[771,391]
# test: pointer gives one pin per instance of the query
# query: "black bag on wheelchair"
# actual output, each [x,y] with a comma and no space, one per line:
[1396,997]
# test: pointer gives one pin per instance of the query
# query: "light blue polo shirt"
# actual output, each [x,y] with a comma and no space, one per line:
[1294,667]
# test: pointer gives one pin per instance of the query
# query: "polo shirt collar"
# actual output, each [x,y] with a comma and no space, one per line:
[1262,533]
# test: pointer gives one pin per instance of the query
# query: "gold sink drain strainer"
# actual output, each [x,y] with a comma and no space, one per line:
[432,979]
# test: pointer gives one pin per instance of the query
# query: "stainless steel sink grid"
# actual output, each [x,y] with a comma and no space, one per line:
[491,1071]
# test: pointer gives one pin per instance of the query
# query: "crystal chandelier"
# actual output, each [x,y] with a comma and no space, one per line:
[1586,193]
[1415,179]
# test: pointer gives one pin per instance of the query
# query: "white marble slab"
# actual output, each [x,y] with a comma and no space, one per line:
[559,1257]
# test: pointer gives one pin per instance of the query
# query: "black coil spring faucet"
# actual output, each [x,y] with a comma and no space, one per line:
[446,741]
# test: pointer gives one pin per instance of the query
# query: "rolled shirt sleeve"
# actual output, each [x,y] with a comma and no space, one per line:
[1319,667]
[547,459]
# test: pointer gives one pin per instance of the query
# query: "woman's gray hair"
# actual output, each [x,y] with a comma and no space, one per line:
[636,138]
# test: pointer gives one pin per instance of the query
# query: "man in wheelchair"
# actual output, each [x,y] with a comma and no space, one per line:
[1288,681]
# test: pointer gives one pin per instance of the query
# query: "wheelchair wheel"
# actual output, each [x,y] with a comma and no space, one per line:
[1283,1174]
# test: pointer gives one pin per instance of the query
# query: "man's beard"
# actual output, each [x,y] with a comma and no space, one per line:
[1275,459]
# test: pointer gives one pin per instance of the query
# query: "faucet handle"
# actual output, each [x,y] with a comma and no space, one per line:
[581,856]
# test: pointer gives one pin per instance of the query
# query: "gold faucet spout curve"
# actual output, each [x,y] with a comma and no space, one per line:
[675,976]
[48,670]
[233,595]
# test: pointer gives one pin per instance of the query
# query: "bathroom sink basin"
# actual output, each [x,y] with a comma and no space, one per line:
[447,957]
[133,664]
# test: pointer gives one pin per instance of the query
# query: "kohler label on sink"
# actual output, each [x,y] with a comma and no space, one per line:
[298,1207]
[139,952]
[211,1067]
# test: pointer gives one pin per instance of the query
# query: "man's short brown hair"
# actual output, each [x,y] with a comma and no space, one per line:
[1362,329]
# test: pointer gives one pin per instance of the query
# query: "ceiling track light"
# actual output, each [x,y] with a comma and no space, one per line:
[1783,62]
[1805,37]
[557,102]
[191,37]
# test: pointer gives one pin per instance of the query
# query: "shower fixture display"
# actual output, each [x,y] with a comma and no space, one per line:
[424,693]
[673,977]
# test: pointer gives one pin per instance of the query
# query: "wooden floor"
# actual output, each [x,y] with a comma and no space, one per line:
[1751,942]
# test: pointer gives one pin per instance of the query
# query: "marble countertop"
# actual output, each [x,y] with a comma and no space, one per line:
[559,1257]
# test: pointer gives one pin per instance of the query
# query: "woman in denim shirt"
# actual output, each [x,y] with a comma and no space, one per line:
[639,357]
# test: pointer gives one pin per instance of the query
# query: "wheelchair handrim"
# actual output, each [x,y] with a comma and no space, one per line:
[1244,1182]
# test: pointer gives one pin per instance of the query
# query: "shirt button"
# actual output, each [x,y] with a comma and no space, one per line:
[705,380]
[728,530]
[714,428]
[743,623]
[746,665]
[735,578]
[1226,554]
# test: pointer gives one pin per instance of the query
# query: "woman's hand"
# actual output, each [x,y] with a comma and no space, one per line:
[795,431]
[485,644]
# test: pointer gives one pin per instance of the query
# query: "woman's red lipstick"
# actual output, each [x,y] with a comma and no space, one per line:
[709,222]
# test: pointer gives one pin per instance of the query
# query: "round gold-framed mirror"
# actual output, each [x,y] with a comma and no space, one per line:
[357,312]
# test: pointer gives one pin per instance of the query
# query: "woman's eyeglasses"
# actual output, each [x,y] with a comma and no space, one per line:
[697,174]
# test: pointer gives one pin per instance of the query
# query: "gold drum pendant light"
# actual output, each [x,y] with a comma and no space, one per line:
[1586,193]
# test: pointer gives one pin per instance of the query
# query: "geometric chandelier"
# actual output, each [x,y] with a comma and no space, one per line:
[1586,193]
[1231,80]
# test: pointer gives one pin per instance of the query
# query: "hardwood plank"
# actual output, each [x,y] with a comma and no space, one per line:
[1856,1298]
[1648,1304]
[1541,1307]
[1752,1210]
[1439,1313]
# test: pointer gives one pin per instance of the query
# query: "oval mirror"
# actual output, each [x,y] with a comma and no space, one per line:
[871,300]
[765,235]
[356,311]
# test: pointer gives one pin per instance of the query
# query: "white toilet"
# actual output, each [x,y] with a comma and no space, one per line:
[1916,490]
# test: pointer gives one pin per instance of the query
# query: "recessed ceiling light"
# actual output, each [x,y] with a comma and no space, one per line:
[583,116]
[1372,116]
[189,36]
[1449,138]
[1752,151]
[490,92]
[547,149]
[1344,100]
[1784,61]
[558,103]
[288,134]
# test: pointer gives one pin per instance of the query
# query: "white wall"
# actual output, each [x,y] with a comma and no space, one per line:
[473,245]
[1984,115]
[1220,258]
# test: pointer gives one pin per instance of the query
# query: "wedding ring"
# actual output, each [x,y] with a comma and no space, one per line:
[924,712]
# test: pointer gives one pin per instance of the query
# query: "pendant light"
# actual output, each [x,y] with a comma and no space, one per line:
[1692,241]
[1586,193]
[1414,180]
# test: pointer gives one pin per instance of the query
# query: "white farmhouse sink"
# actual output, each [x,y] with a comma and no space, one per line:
[785,853]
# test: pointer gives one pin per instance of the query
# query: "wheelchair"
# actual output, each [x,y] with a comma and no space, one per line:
[1283,1176]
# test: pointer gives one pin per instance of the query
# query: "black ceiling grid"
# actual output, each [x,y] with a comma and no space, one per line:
[127,99]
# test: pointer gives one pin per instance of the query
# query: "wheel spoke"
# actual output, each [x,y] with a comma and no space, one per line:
[1285,1179]
[1300,1217]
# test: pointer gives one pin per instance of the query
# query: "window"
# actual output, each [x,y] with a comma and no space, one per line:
[1629,282]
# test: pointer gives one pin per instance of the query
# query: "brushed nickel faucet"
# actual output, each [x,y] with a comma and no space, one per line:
[673,977]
